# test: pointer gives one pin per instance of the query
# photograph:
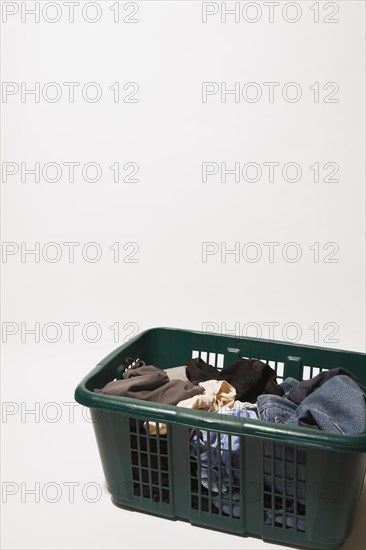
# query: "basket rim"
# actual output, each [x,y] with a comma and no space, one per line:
[171,414]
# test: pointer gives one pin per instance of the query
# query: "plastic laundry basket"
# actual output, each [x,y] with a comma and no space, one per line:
[293,485]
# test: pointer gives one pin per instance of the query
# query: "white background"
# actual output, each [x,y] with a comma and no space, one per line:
[169,52]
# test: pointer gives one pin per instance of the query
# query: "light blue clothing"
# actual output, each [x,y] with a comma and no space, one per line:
[289,519]
[219,460]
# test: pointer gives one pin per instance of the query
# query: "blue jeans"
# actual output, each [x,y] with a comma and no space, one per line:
[338,406]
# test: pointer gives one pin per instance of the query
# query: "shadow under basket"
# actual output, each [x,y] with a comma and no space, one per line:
[286,484]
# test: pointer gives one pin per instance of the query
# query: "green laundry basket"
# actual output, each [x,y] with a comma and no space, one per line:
[290,485]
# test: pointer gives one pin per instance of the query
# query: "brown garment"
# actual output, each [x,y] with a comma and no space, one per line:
[150,384]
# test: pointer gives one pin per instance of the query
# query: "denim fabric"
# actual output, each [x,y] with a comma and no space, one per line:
[289,520]
[288,384]
[279,466]
[338,406]
[224,500]
[307,387]
[272,408]
[222,465]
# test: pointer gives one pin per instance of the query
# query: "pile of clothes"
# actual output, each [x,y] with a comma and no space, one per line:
[333,401]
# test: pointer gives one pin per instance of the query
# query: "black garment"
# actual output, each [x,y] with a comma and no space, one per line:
[199,371]
[298,393]
[250,378]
